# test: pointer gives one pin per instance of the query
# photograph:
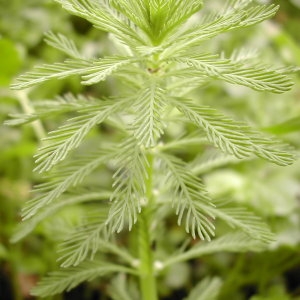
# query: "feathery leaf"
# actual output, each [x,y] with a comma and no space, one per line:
[129,185]
[70,175]
[136,11]
[271,149]
[223,132]
[231,242]
[239,17]
[157,18]
[67,279]
[51,108]
[64,44]
[234,137]
[211,160]
[178,11]
[207,289]
[148,108]
[189,197]
[238,72]
[49,71]
[91,71]
[105,18]
[85,241]
[105,67]
[69,136]
[88,239]
[27,226]
[244,220]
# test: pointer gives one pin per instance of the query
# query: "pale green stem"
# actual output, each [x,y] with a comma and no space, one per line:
[28,109]
[147,274]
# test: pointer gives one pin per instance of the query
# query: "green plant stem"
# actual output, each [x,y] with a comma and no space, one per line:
[147,276]
[15,282]
[28,109]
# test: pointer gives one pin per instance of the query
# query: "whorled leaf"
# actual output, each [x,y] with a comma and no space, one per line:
[234,137]
[102,15]
[148,108]
[230,242]
[60,142]
[63,43]
[256,77]
[86,239]
[242,219]
[50,108]
[211,160]
[27,226]
[89,238]
[67,279]
[129,185]
[91,71]
[223,132]
[69,175]
[189,197]
[239,17]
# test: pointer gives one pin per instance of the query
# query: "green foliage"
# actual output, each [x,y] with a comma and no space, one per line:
[233,242]
[9,60]
[119,289]
[129,184]
[233,137]
[68,177]
[28,226]
[69,278]
[240,72]
[208,289]
[187,194]
[160,61]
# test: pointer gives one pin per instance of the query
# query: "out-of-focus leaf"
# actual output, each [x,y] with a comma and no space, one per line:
[10,61]
[207,289]
[275,293]
[3,252]
[288,126]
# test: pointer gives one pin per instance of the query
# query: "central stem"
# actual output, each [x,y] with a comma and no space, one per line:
[147,276]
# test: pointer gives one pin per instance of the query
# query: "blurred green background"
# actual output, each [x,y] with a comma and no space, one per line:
[273,192]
